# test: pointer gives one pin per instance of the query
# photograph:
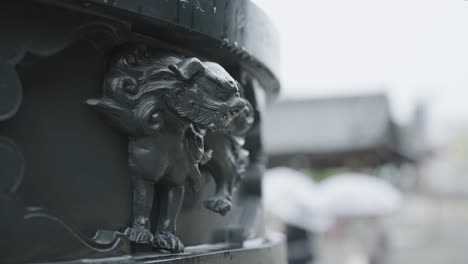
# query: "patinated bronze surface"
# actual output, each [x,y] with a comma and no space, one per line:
[122,120]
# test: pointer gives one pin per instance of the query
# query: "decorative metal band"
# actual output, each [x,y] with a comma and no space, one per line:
[235,31]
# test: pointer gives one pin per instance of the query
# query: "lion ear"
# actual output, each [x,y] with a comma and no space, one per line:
[119,117]
[187,68]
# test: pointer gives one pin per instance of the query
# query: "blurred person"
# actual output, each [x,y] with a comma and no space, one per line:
[366,240]
[376,241]
[301,245]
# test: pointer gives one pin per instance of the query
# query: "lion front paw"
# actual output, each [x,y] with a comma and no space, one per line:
[139,235]
[220,205]
[168,241]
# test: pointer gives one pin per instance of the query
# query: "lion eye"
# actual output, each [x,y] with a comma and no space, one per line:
[154,118]
[155,122]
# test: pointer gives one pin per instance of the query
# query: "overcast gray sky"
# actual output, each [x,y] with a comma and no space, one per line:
[416,50]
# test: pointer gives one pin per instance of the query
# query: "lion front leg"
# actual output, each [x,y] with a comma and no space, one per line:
[172,197]
[222,172]
[143,193]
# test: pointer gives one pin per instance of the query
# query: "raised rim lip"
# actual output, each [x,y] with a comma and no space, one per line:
[253,60]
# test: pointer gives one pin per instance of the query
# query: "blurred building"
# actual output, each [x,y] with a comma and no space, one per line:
[445,172]
[352,131]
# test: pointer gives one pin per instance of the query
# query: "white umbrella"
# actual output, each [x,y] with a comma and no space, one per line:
[353,194]
[294,198]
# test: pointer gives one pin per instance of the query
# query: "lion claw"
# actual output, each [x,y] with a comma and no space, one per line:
[139,235]
[220,205]
[168,241]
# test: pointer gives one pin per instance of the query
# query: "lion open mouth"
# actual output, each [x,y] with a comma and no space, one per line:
[209,114]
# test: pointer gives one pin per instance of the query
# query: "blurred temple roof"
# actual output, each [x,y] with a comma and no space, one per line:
[332,131]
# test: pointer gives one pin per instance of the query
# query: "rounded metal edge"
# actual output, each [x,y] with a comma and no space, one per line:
[240,29]
[268,250]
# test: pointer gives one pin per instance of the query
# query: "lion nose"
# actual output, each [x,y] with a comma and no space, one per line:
[231,87]
[236,104]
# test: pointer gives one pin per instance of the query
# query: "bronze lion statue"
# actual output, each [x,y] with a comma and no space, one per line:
[164,102]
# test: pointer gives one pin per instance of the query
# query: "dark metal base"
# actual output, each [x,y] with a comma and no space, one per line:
[270,250]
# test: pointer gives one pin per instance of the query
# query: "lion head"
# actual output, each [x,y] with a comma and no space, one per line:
[201,92]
